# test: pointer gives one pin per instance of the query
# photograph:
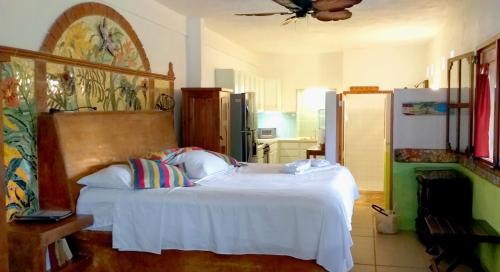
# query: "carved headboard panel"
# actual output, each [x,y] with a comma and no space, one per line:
[72,145]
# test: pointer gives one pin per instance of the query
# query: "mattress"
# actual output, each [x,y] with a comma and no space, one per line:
[252,210]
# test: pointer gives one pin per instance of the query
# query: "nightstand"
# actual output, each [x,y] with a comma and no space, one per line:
[28,243]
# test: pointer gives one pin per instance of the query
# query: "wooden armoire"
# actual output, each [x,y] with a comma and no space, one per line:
[206,118]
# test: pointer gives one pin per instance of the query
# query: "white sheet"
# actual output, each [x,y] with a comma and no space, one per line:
[100,202]
[254,210]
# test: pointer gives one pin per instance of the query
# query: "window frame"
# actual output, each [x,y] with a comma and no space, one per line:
[469,58]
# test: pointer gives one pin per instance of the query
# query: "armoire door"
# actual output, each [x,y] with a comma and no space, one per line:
[201,110]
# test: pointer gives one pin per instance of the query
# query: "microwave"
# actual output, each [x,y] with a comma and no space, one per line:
[266,133]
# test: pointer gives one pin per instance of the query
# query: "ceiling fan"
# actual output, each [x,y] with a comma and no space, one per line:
[323,10]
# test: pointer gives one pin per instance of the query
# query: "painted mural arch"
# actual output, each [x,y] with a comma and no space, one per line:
[77,22]
[85,31]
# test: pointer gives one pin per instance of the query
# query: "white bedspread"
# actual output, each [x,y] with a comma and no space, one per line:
[254,210]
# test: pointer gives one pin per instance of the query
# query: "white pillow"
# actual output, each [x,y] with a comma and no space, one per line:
[118,176]
[199,164]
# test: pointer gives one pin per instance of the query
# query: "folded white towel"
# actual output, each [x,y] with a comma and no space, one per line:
[297,166]
[319,163]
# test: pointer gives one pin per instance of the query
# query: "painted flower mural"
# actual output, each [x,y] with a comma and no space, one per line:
[19,132]
[106,91]
[8,89]
[68,88]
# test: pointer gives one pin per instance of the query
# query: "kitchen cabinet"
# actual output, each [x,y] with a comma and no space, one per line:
[238,81]
[274,153]
[241,82]
[288,100]
[269,93]
[206,110]
[292,150]
[259,99]
[272,95]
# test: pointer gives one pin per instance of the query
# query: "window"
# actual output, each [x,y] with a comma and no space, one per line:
[472,119]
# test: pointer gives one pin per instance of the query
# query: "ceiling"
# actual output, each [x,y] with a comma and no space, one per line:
[374,22]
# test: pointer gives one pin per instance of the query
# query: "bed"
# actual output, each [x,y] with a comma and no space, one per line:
[250,219]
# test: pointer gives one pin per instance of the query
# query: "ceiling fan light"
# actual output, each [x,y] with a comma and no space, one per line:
[327,16]
[334,5]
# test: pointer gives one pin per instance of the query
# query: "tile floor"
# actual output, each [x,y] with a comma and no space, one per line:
[373,252]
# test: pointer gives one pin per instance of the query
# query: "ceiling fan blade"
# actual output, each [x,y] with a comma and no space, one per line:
[289,4]
[334,5]
[264,14]
[327,16]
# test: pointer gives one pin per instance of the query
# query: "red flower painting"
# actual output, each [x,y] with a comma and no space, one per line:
[8,89]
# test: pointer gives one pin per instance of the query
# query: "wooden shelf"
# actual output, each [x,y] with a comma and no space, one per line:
[51,232]
[78,263]
[28,243]
[456,105]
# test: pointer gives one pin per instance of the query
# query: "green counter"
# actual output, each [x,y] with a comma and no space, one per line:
[486,203]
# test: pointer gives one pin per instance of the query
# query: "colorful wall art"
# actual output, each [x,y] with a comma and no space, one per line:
[97,39]
[425,108]
[90,32]
[19,132]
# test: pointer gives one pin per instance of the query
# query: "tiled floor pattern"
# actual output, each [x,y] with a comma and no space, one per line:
[373,252]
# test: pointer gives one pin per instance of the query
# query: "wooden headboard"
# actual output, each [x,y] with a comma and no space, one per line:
[73,145]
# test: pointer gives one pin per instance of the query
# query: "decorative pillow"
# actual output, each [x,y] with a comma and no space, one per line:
[155,174]
[117,176]
[168,155]
[228,159]
[199,164]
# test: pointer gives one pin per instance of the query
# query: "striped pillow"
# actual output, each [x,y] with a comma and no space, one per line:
[149,174]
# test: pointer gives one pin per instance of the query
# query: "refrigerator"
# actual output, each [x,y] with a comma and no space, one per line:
[243,127]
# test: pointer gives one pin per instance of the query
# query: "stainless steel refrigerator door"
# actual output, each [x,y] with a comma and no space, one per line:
[243,126]
[251,125]
[238,145]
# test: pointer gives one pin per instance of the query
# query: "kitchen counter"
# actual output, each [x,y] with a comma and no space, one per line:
[285,150]
[287,140]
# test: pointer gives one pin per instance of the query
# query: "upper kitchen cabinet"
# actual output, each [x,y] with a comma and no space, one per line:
[268,91]
[260,98]
[241,82]
[272,95]
[238,81]
[288,100]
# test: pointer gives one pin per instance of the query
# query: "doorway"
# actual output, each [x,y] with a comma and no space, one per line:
[366,141]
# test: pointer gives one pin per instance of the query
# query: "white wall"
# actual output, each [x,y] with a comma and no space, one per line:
[388,67]
[220,53]
[162,31]
[471,23]
[301,71]
[425,131]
